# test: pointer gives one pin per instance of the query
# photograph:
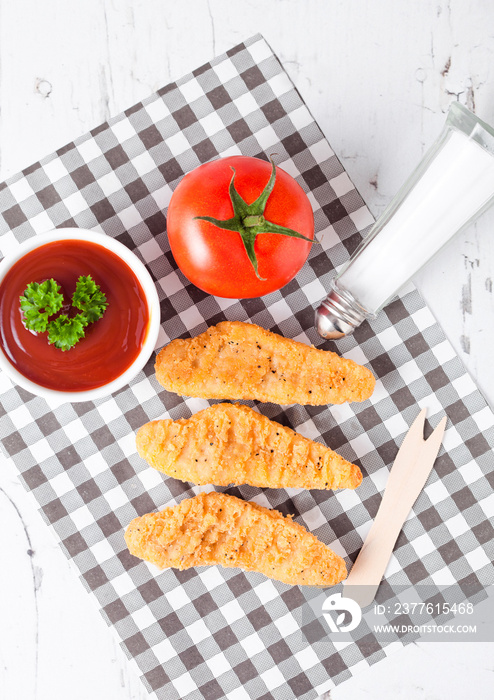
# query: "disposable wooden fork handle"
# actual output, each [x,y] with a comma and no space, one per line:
[405,485]
[374,556]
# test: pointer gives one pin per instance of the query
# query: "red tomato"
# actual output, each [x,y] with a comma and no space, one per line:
[215,259]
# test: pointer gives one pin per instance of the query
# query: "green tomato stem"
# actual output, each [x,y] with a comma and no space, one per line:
[248,219]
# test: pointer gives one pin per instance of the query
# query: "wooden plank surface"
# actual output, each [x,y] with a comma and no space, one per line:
[379,77]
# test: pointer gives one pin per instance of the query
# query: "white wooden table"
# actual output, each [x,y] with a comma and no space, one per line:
[378,76]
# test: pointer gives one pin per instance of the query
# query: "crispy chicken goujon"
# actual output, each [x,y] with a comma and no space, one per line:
[216,528]
[236,360]
[233,444]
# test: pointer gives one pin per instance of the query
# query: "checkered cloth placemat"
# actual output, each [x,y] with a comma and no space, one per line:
[210,633]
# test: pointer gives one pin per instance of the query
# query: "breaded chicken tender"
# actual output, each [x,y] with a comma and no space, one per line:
[233,444]
[215,528]
[236,360]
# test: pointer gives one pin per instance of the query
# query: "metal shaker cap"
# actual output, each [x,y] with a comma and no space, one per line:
[337,316]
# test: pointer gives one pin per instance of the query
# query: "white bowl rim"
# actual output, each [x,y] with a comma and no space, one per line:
[147,284]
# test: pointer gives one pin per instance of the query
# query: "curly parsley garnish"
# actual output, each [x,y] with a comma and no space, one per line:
[89,298]
[40,301]
[65,332]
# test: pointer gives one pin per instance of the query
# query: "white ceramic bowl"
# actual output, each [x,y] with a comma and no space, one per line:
[148,286]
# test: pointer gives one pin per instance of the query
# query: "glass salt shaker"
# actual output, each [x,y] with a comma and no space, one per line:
[452,185]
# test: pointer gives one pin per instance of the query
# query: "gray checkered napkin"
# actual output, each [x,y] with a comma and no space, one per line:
[210,633]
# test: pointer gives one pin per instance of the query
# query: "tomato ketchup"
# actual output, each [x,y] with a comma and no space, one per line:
[110,345]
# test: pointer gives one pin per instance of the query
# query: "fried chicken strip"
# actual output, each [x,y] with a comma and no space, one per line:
[236,360]
[215,528]
[233,444]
